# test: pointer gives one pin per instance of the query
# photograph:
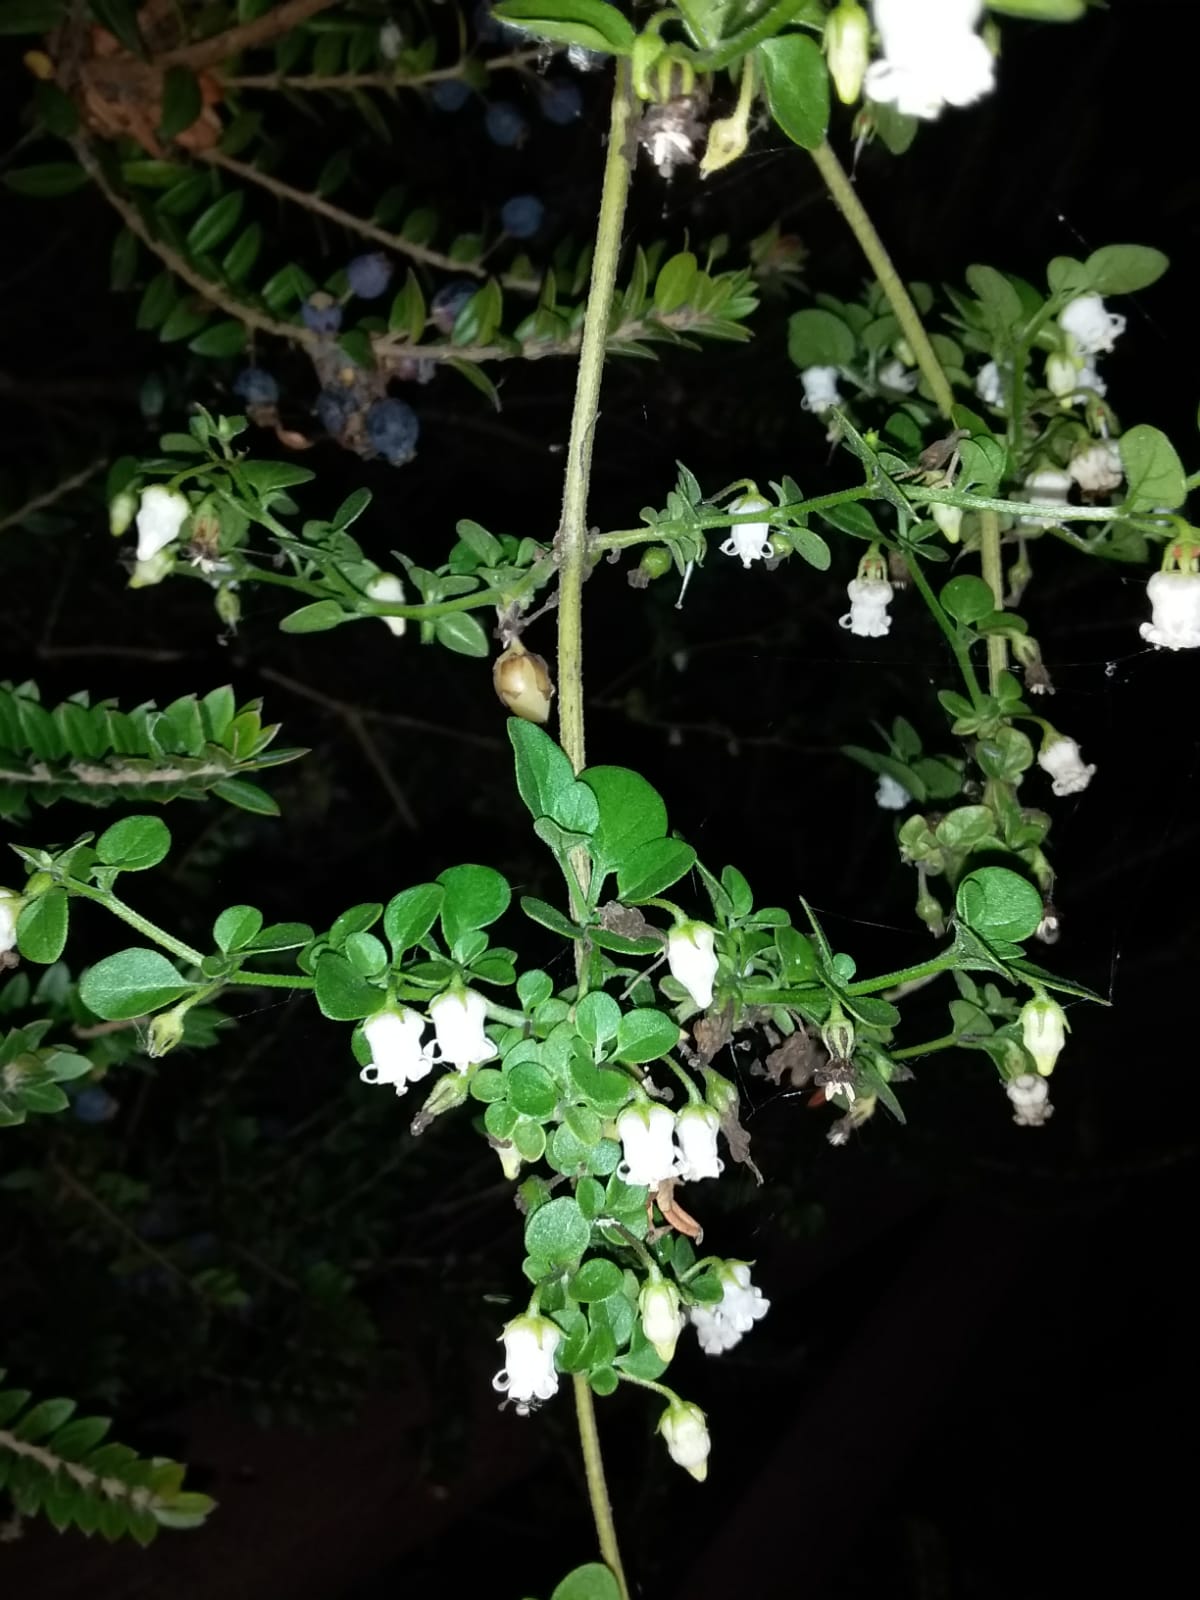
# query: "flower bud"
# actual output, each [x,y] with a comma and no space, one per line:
[122,509]
[229,606]
[1062,375]
[662,1317]
[693,960]
[655,563]
[948,519]
[685,1433]
[837,1035]
[522,681]
[447,1094]
[719,1093]
[387,587]
[848,49]
[147,573]
[166,1031]
[1044,1028]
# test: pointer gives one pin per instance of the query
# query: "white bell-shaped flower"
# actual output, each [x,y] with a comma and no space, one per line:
[1048,486]
[749,541]
[458,1016]
[647,1135]
[1044,1030]
[685,1432]
[820,389]
[693,960]
[719,1327]
[932,56]
[1175,624]
[890,793]
[1061,758]
[989,385]
[869,601]
[387,588]
[10,909]
[1030,1098]
[1088,378]
[897,377]
[397,1054]
[161,514]
[1097,468]
[1090,324]
[696,1129]
[528,1375]
[662,1316]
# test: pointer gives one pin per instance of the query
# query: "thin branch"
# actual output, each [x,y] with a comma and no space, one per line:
[81,1192]
[247,36]
[330,83]
[398,719]
[41,501]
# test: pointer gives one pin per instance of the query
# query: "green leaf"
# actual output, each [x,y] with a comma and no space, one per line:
[242,254]
[1153,471]
[999,904]
[595,1280]
[546,780]
[235,927]
[645,1035]
[478,379]
[480,542]
[1124,268]
[48,181]
[215,224]
[30,16]
[181,102]
[549,917]
[474,897]
[351,508]
[282,936]
[967,598]
[246,796]
[131,984]
[134,843]
[597,1017]
[56,110]
[653,867]
[42,927]
[818,338]
[532,1091]
[222,340]
[631,812]
[591,23]
[674,284]
[268,477]
[410,915]
[316,618]
[797,86]
[1000,300]
[120,17]
[460,632]
[123,263]
[341,994]
[557,1232]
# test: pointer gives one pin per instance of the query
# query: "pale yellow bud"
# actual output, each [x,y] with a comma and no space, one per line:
[523,682]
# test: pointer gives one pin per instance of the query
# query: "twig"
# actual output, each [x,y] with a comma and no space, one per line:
[398,719]
[327,83]
[41,501]
[247,36]
[354,721]
[81,1192]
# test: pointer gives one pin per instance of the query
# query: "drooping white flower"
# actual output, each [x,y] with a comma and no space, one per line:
[989,385]
[1048,486]
[751,541]
[387,587]
[391,40]
[662,1316]
[1030,1097]
[898,377]
[719,1327]
[1097,468]
[1044,1030]
[696,1129]
[397,1054]
[1092,327]
[647,1135]
[685,1433]
[692,960]
[458,1017]
[1061,758]
[528,1375]
[820,389]
[932,56]
[869,601]
[10,909]
[1175,624]
[161,514]
[1088,378]
[847,48]
[890,793]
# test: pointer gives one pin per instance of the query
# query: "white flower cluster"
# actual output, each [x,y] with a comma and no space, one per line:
[932,56]
[395,1035]
[1089,329]
[719,1327]
[659,1145]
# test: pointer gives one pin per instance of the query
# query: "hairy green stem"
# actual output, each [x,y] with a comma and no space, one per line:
[270,980]
[622,538]
[846,199]
[593,1466]
[572,539]
[890,980]
[947,1041]
[993,576]
[109,901]
[959,649]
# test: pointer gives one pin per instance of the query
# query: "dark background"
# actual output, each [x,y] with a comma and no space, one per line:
[976,1379]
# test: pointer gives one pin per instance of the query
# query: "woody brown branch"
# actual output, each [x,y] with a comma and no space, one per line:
[247,36]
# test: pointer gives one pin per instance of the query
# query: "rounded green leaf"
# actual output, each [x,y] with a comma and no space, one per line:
[631,812]
[532,1090]
[818,338]
[236,926]
[645,1035]
[366,954]
[998,903]
[967,599]
[474,897]
[595,1280]
[460,632]
[529,1137]
[500,1119]
[341,993]
[410,915]
[653,867]
[134,843]
[674,282]
[488,1085]
[1153,470]
[534,988]
[316,618]
[557,1231]
[1124,268]
[585,1125]
[42,927]
[591,23]
[797,87]
[597,1017]
[131,984]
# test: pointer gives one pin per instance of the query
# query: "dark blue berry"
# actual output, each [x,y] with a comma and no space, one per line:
[523,215]
[256,387]
[505,125]
[94,1104]
[321,314]
[393,429]
[369,276]
[448,302]
[336,408]
[561,103]
[450,94]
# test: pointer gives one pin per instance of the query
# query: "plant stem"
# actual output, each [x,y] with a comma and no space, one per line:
[572,534]
[846,199]
[269,980]
[593,1466]
[135,919]
[961,653]
[777,516]
[946,1042]
[889,980]
[993,576]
